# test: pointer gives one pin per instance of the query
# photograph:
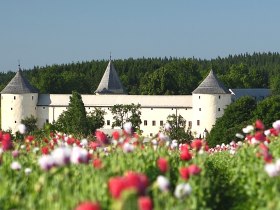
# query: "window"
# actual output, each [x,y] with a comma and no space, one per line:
[11,108]
[145,122]
[198,97]
[43,107]
[219,97]
[190,124]
[15,121]
[199,109]
[14,98]
[198,122]
[108,122]
[151,134]
[219,109]
[161,123]
[32,97]
[35,107]
[171,108]
[152,108]
[47,120]
[154,123]
[89,108]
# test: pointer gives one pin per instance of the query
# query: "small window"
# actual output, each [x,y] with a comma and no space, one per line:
[171,108]
[108,122]
[11,108]
[219,97]
[161,123]
[145,122]
[151,134]
[35,107]
[154,123]
[47,120]
[32,97]
[89,108]
[43,107]
[108,108]
[219,109]
[14,98]
[190,124]
[15,121]
[198,97]
[199,109]
[198,122]
[152,108]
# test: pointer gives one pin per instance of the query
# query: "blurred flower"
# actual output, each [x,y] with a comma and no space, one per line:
[276,125]
[271,169]
[21,128]
[101,137]
[7,141]
[61,156]
[196,144]
[185,155]
[127,147]
[15,165]
[167,127]
[27,171]
[97,163]
[79,155]
[194,169]
[128,127]
[248,129]
[239,135]
[36,149]
[46,162]
[15,153]
[88,205]
[184,173]
[45,150]
[115,135]
[145,203]
[84,142]
[162,164]
[163,183]
[182,190]
[259,125]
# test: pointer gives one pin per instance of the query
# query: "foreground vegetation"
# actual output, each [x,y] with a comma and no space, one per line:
[125,171]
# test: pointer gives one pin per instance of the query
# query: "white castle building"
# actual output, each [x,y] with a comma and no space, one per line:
[200,110]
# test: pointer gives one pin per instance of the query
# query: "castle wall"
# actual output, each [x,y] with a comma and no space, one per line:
[15,107]
[206,109]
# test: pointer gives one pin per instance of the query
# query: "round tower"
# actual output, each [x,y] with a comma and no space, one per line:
[209,99]
[18,101]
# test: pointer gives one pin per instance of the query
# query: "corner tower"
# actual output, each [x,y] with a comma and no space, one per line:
[18,101]
[110,82]
[210,99]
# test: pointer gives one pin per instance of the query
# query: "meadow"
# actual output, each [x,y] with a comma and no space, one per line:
[128,171]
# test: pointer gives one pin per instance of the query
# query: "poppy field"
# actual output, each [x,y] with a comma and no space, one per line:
[127,171]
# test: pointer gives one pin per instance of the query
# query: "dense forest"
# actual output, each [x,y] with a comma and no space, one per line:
[157,75]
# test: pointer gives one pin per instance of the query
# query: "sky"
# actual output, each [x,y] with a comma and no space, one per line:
[39,33]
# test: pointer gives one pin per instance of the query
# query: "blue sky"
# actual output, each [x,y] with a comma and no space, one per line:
[40,33]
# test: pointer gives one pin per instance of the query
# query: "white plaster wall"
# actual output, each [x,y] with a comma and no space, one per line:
[51,114]
[15,107]
[206,109]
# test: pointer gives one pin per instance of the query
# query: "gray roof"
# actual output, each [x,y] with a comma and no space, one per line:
[211,85]
[256,93]
[19,85]
[110,82]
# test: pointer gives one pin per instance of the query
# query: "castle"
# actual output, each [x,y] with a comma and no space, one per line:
[19,99]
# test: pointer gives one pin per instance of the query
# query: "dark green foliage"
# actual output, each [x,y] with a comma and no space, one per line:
[126,113]
[157,75]
[268,110]
[96,119]
[30,123]
[178,129]
[74,120]
[237,115]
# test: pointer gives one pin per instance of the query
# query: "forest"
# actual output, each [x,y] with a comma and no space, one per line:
[157,76]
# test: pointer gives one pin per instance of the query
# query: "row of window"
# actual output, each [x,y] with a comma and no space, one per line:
[32,97]
[199,97]
[219,109]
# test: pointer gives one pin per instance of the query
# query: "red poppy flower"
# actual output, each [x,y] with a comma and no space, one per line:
[97,163]
[101,137]
[185,155]
[88,205]
[259,125]
[162,164]
[184,173]
[7,141]
[196,144]
[194,169]
[145,203]
[116,135]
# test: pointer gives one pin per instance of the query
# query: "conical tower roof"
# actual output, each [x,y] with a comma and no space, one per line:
[19,85]
[110,82]
[211,85]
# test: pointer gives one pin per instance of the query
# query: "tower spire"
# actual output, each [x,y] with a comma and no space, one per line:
[110,56]
[19,65]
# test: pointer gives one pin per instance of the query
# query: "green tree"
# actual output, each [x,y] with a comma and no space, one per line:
[268,110]
[96,119]
[74,120]
[237,115]
[178,129]
[126,113]
[30,123]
